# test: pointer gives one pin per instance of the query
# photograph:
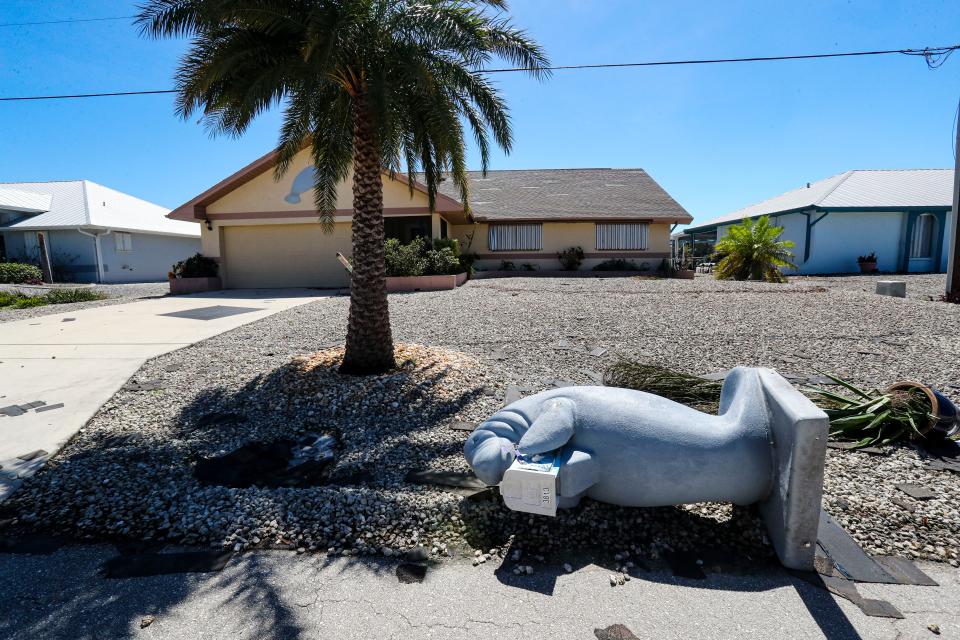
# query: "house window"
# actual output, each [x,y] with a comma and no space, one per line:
[406,228]
[622,236]
[921,245]
[124,242]
[515,237]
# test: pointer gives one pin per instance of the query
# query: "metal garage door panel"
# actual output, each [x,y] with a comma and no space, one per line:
[289,255]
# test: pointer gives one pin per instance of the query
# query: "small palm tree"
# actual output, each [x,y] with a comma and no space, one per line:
[368,85]
[753,251]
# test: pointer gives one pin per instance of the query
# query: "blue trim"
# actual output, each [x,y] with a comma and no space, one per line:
[892,209]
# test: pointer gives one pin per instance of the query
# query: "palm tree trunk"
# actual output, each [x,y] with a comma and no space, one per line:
[369,346]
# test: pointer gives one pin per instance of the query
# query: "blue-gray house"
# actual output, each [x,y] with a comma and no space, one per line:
[901,215]
[80,231]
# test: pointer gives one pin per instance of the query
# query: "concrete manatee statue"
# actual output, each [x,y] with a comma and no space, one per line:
[302,183]
[635,449]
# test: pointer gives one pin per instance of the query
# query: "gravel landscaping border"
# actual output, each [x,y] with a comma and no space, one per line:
[128,473]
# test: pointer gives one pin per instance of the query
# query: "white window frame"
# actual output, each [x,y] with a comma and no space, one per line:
[622,236]
[515,237]
[917,249]
[124,241]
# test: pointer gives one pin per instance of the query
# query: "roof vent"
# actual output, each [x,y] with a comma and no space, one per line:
[808,185]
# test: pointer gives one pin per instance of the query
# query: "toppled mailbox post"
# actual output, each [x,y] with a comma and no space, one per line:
[635,449]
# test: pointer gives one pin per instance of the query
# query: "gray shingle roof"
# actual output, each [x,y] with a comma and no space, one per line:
[858,188]
[568,194]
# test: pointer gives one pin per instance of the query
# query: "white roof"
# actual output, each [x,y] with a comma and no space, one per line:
[24,201]
[858,188]
[81,203]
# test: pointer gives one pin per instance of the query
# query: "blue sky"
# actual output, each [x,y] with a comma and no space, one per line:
[717,137]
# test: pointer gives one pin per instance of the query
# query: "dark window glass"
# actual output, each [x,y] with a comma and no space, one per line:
[406,228]
[443,228]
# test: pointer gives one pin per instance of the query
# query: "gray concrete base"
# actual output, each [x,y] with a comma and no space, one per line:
[893,288]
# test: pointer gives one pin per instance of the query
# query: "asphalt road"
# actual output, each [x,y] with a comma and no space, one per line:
[284,595]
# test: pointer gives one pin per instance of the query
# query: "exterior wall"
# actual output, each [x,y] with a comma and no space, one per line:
[945,243]
[294,192]
[839,238]
[151,259]
[13,245]
[558,236]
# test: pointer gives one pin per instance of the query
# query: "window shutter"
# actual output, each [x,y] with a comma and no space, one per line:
[622,236]
[515,237]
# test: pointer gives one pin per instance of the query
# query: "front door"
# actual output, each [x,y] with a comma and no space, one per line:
[923,244]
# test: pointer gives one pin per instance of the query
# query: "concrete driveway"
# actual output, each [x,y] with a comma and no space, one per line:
[57,370]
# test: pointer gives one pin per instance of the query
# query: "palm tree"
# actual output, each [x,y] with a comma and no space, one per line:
[753,251]
[368,85]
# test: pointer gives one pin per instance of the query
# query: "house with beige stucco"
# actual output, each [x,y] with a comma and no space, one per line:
[266,232]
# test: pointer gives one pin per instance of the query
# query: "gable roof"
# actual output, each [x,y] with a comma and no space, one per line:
[194,209]
[569,194]
[82,203]
[856,189]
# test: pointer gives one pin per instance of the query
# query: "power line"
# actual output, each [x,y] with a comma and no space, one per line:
[31,24]
[934,56]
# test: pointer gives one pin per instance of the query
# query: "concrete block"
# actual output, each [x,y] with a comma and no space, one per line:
[894,288]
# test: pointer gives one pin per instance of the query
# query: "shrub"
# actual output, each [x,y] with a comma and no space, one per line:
[447,243]
[65,296]
[506,265]
[753,251]
[870,257]
[19,273]
[441,262]
[528,266]
[571,258]
[405,259]
[467,260]
[17,300]
[198,266]
[619,264]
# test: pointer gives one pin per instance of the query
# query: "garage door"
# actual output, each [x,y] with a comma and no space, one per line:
[284,255]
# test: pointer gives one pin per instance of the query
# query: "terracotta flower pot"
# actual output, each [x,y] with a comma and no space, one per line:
[867,267]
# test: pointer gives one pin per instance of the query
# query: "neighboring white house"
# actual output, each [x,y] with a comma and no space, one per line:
[899,214]
[86,232]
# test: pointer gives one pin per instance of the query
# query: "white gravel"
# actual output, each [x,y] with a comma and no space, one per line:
[117,294]
[129,472]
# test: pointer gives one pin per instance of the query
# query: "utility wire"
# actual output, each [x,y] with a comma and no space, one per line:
[31,24]
[934,56]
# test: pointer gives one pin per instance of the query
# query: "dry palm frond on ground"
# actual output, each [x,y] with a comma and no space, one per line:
[865,418]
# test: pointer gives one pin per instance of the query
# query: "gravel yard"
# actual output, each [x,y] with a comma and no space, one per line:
[118,294]
[129,472]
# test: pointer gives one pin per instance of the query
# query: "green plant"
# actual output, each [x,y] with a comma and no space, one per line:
[442,262]
[467,262]
[870,257]
[752,250]
[447,243]
[571,258]
[528,266]
[870,417]
[619,264]
[666,268]
[66,296]
[405,259]
[18,300]
[19,273]
[365,84]
[506,265]
[196,266]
